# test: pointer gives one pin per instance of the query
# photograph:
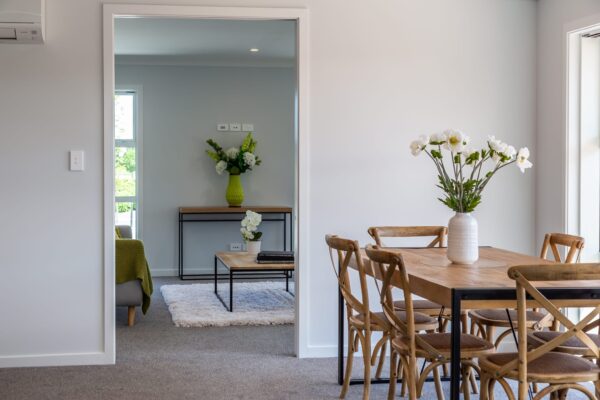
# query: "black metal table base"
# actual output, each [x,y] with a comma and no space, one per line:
[280,216]
[249,274]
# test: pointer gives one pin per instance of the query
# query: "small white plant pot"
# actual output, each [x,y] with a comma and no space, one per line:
[253,246]
[463,243]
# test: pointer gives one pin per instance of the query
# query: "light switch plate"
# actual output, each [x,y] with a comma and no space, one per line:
[222,127]
[235,127]
[247,127]
[76,160]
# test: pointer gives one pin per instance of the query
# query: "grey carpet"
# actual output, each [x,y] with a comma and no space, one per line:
[156,360]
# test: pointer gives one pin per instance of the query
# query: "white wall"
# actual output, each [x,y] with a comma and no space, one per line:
[554,18]
[181,108]
[380,73]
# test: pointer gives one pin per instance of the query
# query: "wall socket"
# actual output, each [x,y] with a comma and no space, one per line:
[235,247]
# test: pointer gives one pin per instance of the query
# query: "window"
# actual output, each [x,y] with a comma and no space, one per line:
[127,160]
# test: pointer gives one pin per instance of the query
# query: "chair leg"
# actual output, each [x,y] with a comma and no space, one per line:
[438,384]
[393,374]
[465,382]
[366,346]
[130,315]
[484,386]
[348,375]
[474,389]
[464,322]
[381,359]
[490,333]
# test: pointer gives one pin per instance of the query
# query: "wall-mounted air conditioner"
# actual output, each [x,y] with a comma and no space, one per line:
[22,21]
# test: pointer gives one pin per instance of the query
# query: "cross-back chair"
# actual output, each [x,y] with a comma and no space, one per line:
[361,320]
[543,364]
[487,320]
[439,234]
[407,344]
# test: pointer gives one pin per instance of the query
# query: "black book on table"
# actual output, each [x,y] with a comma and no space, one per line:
[275,257]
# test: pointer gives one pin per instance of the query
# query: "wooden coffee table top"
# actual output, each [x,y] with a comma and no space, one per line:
[240,261]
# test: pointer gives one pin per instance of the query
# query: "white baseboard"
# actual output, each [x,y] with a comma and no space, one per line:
[56,360]
[174,271]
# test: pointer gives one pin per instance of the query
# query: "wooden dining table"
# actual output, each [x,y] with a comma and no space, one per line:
[484,284]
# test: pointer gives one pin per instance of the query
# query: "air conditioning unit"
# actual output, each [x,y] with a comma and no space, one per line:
[22,21]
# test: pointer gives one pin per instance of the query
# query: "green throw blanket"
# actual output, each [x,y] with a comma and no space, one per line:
[131,264]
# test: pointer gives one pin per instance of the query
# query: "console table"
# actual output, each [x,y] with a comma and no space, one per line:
[231,214]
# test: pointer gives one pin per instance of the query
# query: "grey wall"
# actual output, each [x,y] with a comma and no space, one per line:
[181,108]
[553,16]
[380,73]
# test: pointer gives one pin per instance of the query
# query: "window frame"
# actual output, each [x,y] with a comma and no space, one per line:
[136,143]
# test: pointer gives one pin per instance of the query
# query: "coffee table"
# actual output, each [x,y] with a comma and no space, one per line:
[242,265]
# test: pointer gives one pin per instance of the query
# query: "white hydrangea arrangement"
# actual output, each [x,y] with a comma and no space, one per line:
[234,160]
[463,187]
[249,229]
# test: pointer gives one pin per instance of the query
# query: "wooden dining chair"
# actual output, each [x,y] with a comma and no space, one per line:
[362,322]
[543,364]
[407,345]
[488,320]
[439,234]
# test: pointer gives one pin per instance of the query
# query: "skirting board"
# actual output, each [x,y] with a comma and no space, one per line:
[328,351]
[56,360]
[174,271]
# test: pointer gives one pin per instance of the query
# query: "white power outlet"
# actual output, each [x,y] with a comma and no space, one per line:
[235,247]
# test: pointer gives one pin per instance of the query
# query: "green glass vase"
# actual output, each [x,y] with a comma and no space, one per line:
[235,191]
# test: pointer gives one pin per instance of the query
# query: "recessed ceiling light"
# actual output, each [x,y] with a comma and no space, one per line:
[254,50]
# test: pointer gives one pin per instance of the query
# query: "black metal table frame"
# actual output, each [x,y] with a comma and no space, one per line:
[457,297]
[284,218]
[249,274]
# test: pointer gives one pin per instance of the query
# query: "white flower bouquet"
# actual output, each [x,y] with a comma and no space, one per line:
[249,229]
[234,160]
[468,177]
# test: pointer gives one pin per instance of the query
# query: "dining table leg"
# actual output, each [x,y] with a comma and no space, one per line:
[455,332]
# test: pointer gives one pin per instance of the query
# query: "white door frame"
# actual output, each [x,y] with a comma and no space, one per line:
[110,12]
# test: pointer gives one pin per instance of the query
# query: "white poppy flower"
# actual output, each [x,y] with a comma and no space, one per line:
[510,151]
[523,159]
[496,144]
[232,153]
[250,159]
[221,167]
[419,145]
[455,142]
[438,138]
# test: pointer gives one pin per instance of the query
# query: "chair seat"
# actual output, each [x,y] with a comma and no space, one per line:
[422,321]
[550,367]
[470,345]
[573,345]
[498,317]
[419,305]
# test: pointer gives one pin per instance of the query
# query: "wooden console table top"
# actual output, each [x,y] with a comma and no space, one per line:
[233,210]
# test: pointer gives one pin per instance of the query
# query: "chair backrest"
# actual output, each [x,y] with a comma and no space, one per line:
[349,251]
[389,267]
[438,232]
[524,275]
[574,244]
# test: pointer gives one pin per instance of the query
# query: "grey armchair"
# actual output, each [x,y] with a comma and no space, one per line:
[128,294]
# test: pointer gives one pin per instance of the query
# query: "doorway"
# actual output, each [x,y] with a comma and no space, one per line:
[112,14]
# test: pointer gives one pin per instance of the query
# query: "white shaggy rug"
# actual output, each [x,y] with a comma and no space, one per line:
[254,303]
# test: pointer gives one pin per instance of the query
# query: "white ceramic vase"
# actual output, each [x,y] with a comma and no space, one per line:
[463,244]
[253,246]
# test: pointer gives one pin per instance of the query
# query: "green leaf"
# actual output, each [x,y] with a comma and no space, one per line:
[436,154]
[213,155]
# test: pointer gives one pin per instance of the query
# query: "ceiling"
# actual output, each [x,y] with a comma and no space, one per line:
[205,41]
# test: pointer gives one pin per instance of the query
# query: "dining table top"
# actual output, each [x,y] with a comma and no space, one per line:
[432,276]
